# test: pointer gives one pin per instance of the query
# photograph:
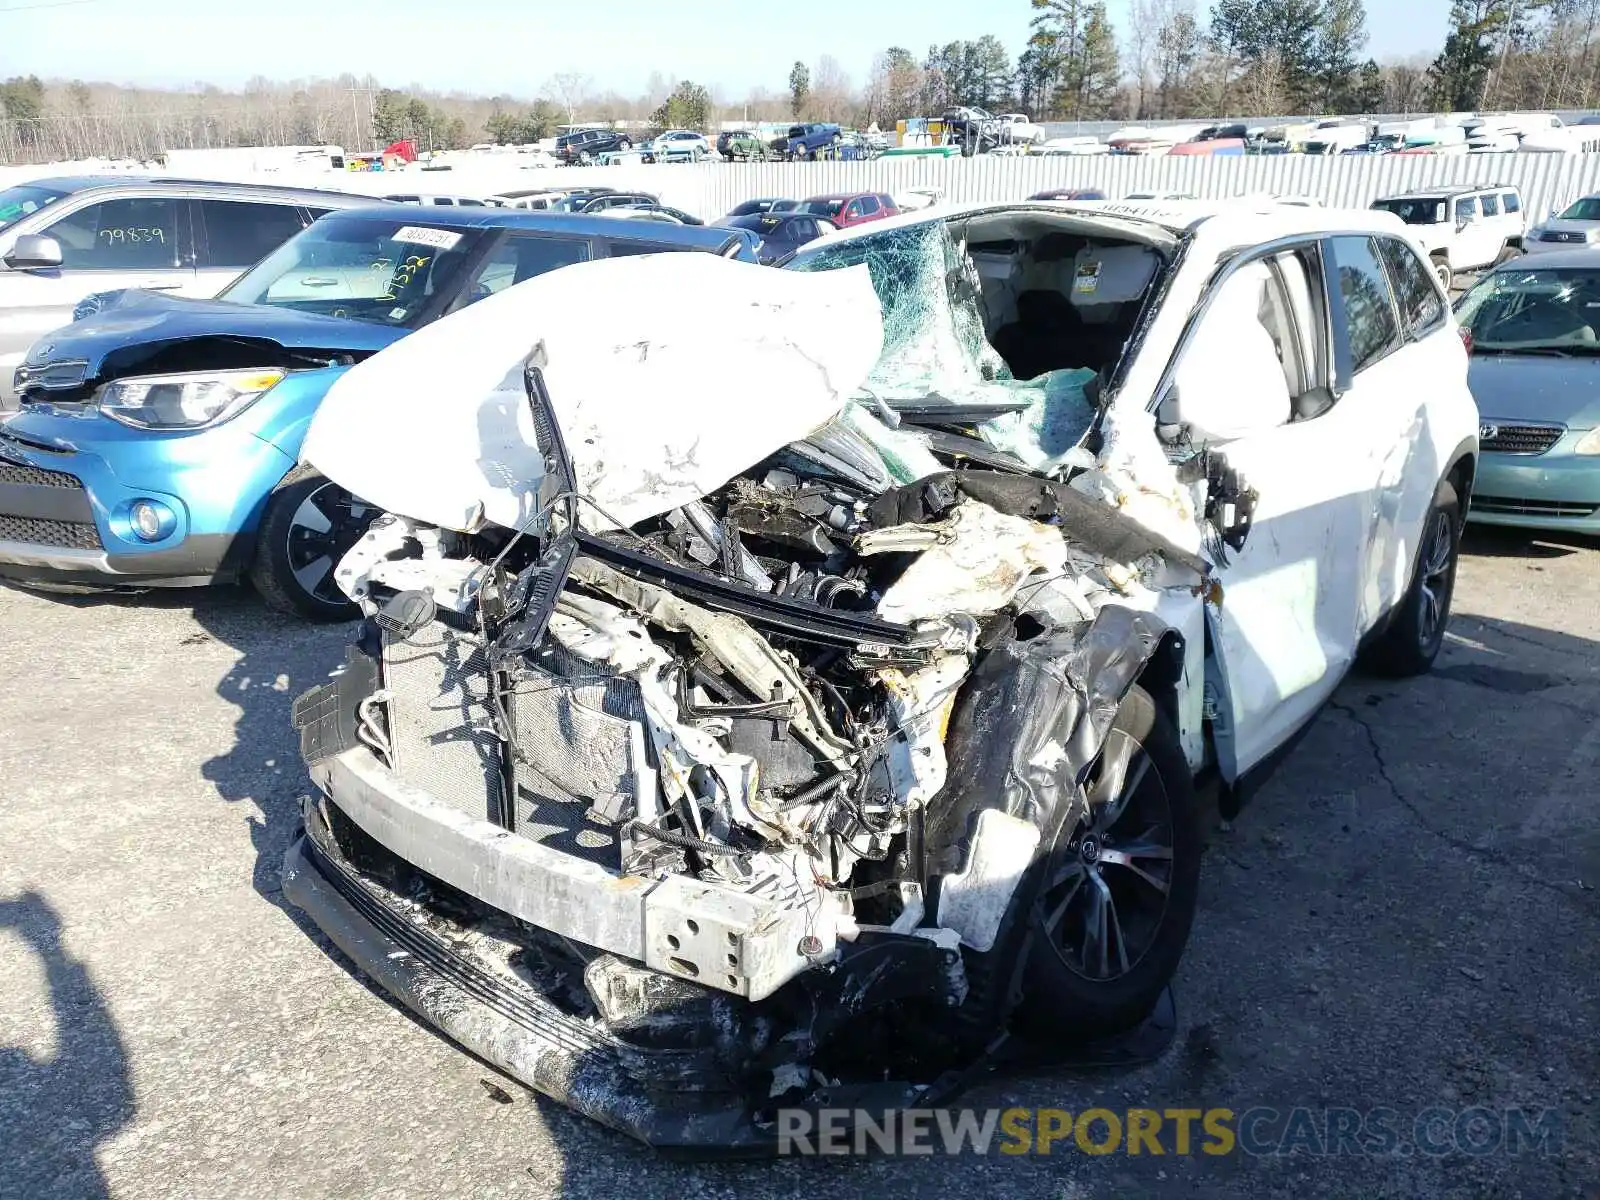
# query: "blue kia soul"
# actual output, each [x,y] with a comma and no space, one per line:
[158,438]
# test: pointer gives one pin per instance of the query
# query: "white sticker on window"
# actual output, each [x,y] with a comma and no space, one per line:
[439,239]
[397,314]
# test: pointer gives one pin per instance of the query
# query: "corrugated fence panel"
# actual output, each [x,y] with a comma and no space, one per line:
[1353,181]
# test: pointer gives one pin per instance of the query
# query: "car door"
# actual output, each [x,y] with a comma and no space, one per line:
[233,235]
[1475,244]
[1288,614]
[127,241]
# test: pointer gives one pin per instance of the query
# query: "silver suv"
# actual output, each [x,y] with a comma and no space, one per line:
[64,239]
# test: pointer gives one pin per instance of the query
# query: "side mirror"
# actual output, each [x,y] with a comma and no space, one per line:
[34,251]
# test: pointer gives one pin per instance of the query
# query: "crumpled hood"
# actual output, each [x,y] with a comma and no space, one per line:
[668,373]
[140,318]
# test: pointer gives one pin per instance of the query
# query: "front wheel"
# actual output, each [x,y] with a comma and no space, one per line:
[1416,632]
[309,524]
[1103,914]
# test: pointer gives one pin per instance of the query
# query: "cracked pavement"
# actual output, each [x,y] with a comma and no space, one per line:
[1405,918]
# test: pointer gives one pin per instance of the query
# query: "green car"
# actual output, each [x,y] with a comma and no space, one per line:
[741,144]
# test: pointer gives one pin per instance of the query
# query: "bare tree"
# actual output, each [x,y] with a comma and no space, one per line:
[569,89]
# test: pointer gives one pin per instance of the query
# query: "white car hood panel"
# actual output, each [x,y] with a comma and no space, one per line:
[668,373]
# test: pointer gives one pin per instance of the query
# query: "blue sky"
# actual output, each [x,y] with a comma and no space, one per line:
[506,46]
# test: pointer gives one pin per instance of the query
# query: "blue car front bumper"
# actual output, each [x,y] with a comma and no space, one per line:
[68,482]
[1553,490]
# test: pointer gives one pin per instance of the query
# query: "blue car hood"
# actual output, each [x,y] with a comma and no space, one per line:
[149,319]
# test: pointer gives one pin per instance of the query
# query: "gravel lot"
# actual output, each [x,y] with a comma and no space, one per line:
[1406,917]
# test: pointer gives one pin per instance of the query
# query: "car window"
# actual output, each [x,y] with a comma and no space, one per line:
[1466,208]
[869,205]
[25,200]
[1490,205]
[1421,309]
[132,234]
[240,234]
[521,257]
[1416,211]
[1368,306]
[618,248]
[1513,202]
[853,210]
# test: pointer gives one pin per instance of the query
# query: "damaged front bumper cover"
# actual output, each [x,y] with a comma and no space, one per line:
[673,1098]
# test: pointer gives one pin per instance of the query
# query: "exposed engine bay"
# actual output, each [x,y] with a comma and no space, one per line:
[799,738]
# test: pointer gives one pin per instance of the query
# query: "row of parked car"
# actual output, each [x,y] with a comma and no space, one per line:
[158,437]
[1129,409]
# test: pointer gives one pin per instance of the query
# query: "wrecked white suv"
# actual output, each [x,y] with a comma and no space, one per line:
[783,696]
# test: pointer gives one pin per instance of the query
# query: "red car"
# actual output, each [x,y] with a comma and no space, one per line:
[845,209]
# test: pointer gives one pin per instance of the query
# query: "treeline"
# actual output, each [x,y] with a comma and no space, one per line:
[1174,60]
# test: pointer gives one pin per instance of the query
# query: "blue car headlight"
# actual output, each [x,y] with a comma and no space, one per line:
[187,401]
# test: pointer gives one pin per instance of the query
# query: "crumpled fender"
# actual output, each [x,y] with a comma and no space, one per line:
[1029,723]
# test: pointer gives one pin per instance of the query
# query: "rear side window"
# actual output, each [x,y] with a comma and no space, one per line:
[132,234]
[240,234]
[1368,306]
[869,205]
[1491,205]
[1513,202]
[1421,310]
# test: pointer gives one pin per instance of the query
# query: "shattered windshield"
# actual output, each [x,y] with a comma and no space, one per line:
[936,350]
[384,272]
[1534,310]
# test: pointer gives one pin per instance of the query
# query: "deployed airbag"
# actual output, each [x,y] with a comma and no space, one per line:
[668,373]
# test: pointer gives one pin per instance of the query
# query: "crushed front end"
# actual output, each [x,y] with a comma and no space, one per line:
[685,817]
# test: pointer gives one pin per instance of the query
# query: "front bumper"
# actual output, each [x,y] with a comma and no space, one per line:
[1554,490]
[68,484]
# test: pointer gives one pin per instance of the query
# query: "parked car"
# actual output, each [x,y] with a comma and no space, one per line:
[1464,228]
[594,200]
[1534,329]
[781,233]
[661,212]
[766,204]
[64,238]
[533,199]
[677,145]
[583,146]
[429,201]
[741,144]
[805,756]
[158,437]
[851,208]
[1576,225]
[804,141]
[1070,194]
[1017,127]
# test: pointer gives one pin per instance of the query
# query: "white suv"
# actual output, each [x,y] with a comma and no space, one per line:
[716,728]
[1463,228]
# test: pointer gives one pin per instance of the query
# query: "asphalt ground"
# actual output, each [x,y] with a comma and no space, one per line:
[1402,926]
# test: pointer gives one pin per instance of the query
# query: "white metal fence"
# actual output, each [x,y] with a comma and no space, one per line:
[1546,180]
[711,189]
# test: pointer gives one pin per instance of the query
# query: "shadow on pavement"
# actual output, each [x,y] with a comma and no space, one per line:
[57,1111]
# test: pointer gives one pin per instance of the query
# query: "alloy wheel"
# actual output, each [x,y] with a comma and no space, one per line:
[1437,578]
[1106,896]
[327,523]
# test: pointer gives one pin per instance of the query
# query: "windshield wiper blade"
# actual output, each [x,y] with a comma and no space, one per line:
[1540,351]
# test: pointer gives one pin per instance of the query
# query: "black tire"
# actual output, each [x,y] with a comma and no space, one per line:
[1441,268]
[1416,631]
[1057,998]
[288,568]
